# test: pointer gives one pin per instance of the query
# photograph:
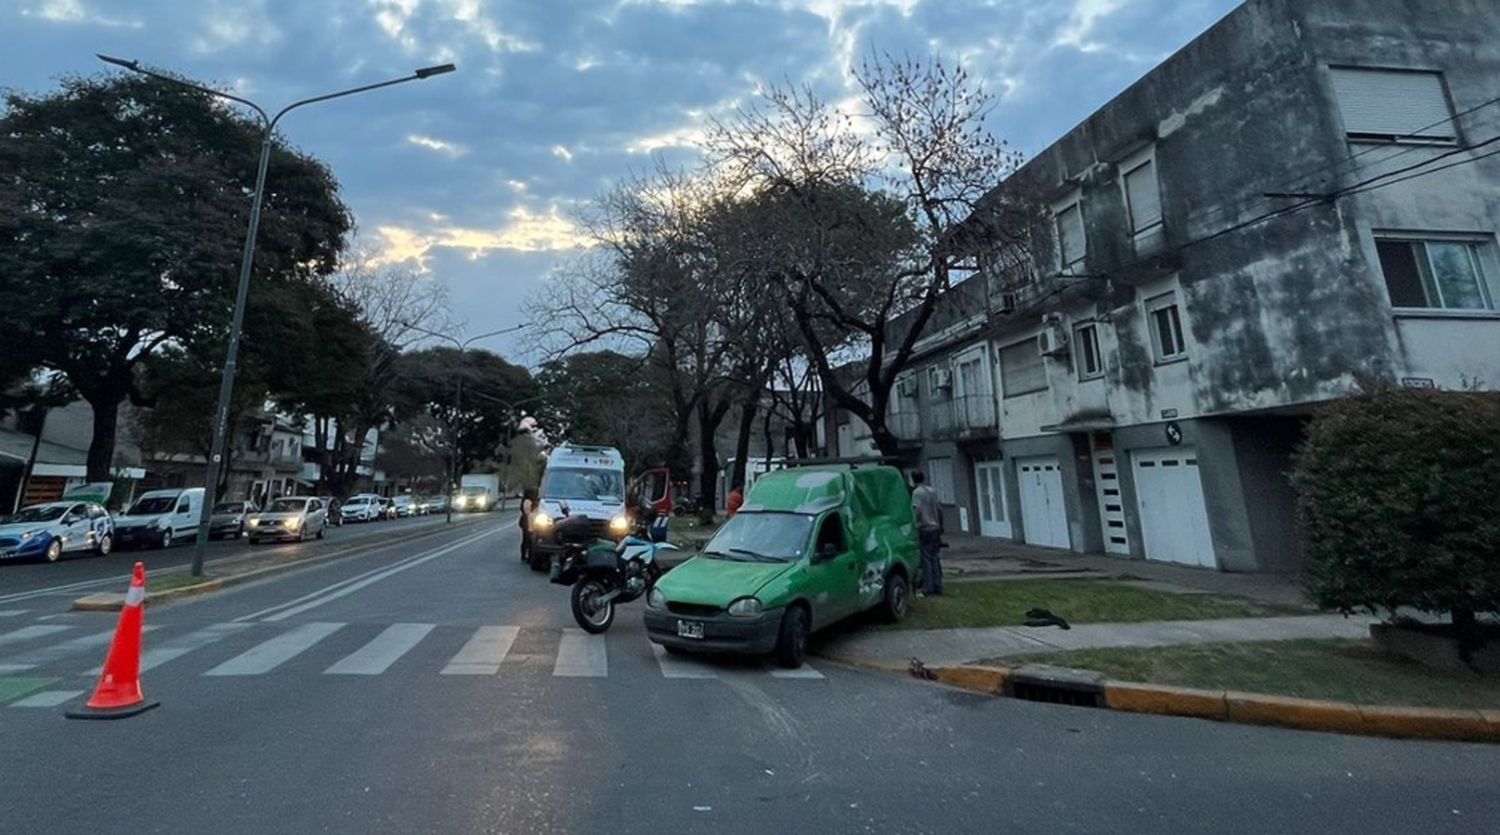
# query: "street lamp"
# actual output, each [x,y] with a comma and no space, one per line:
[458,400]
[231,356]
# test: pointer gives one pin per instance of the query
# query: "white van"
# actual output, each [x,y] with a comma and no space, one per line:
[579,481]
[159,518]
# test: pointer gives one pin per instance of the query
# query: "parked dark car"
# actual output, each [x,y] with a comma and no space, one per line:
[228,519]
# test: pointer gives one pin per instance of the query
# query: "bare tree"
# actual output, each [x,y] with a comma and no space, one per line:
[860,214]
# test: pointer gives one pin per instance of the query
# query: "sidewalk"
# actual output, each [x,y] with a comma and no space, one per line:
[973,557]
[942,647]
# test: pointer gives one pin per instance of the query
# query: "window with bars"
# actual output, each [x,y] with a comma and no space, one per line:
[1072,242]
[940,476]
[1437,274]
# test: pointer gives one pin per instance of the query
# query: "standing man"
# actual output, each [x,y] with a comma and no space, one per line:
[528,507]
[924,500]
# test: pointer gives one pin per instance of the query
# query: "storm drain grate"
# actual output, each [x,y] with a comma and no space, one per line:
[1058,693]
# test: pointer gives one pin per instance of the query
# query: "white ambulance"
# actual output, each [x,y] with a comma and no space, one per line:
[579,482]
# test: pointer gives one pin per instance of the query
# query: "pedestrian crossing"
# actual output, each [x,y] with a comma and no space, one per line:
[229,650]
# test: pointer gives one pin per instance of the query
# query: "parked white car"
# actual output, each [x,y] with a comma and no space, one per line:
[48,531]
[364,507]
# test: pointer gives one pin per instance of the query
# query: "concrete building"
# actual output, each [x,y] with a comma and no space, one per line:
[47,452]
[1301,199]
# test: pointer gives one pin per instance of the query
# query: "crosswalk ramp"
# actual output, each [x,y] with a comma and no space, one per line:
[47,665]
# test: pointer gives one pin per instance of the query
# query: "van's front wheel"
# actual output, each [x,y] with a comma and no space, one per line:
[897,597]
[791,642]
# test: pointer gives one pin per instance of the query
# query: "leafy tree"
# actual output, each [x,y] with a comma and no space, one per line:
[609,398]
[123,205]
[474,395]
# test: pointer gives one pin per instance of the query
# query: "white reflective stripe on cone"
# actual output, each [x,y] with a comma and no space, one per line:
[135,595]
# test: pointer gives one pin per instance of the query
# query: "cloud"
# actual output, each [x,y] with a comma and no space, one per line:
[449,148]
[524,231]
[73,11]
[562,152]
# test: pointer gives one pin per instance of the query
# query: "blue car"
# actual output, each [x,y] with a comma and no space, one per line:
[48,531]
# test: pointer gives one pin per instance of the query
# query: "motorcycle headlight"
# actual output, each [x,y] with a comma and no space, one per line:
[619,526]
[542,520]
[656,599]
[745,607]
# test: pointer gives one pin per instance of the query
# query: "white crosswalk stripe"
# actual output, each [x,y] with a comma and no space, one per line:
[374,658]
[271,654]
[182,645]
[28,633]
[581,655]
[484,652]
[47,698]
[55,652]
[805,671]
[681,667]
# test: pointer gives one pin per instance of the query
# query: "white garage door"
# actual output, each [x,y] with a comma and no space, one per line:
[1044,520]
[1169,495]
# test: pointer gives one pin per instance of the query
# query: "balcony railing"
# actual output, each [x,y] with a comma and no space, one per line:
[964,415]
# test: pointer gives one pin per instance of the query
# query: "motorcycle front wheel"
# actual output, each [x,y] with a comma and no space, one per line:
[594,618]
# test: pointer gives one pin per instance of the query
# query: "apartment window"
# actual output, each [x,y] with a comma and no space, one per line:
[1142,192]
[1072,244]
[1090,363]
[1436,274]
[940,476]
[1384,105]
[1166,327]
[940,382]
[1021,369]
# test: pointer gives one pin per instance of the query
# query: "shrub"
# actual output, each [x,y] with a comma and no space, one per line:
[1399,501]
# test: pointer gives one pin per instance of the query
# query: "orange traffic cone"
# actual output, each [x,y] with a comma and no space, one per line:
[118,693]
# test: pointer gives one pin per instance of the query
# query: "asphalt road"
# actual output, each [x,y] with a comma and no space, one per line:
[438,686]
[26,581]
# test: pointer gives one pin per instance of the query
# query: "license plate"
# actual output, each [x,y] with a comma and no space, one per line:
[689,629]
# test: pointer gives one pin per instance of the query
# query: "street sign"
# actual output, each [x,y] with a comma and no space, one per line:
[1174,433]
[96,492]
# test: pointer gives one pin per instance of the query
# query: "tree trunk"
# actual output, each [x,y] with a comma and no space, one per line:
[708,457]
[766,428]
[101,457]
[742,445]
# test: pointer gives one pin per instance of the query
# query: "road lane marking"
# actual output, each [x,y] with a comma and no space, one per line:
[269,655]
[183,644]
[484,653]
[804,671]
[12,613]
[27,633]
[581,655]
[373,658]
[47,698]
[674,667]
[53,652]
[348,586]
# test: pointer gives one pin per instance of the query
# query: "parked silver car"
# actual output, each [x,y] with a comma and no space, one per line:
[228,519]
[291,517]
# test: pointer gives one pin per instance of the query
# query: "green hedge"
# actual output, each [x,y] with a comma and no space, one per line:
[1399,501]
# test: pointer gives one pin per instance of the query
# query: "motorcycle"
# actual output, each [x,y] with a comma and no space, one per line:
[604,573]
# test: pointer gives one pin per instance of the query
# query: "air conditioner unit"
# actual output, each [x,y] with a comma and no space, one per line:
[907,387]
[1053,338]
[942,378]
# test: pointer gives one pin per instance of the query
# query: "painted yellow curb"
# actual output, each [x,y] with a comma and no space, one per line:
[981,679]
[1248,708]
[1165,701]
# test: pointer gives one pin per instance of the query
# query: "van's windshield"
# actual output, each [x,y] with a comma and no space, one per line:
[152,505]
[587,485]
[761,536]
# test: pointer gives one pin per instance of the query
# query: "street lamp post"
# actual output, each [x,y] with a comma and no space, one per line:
[458,401]
[242,292]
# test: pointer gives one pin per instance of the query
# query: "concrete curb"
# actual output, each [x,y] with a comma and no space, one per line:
[113,601]
[1050,684]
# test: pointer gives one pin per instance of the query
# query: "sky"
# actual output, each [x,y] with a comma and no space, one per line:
[477,178]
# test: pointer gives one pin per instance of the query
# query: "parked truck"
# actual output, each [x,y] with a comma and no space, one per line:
[477,493]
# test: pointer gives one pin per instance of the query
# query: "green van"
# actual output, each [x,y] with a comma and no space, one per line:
[809,547]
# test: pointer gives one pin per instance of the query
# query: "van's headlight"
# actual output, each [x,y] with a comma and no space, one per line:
[656,599]
[745,607]
[541,521]
[619,526]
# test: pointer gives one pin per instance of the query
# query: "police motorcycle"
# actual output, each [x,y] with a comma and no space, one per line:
[604,573]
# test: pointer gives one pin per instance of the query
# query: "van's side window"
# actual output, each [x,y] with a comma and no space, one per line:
[831,535]
[183,507]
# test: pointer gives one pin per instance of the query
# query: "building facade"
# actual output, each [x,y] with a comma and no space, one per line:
[1301,201]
